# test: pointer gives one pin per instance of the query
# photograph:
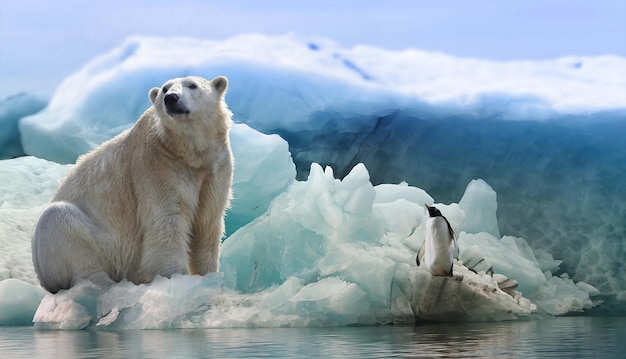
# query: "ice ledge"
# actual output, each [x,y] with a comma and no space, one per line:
[466,296]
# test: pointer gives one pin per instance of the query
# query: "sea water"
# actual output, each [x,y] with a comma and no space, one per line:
[565,337]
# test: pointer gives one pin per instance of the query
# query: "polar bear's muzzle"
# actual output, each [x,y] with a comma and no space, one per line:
[174,106]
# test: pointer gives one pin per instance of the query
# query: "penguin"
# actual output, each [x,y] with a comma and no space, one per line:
[440,246]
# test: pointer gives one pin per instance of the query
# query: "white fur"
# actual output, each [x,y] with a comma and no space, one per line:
[150,201]
[439,247]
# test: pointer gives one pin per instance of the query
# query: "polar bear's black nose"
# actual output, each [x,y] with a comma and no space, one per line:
[174,105]
[171,99]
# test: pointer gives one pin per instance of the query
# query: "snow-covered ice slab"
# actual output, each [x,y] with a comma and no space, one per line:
[465,297]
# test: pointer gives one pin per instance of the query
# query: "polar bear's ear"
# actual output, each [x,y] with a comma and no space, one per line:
[153,94]
[220,84]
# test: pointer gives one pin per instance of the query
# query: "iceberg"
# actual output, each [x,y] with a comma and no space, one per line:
[18,301]
[534,130]
[328,253]
[391,131]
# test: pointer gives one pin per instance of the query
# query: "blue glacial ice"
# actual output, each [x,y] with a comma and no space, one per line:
[12,110]
[546,136]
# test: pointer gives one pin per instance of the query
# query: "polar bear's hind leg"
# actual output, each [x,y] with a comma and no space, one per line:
[64,248]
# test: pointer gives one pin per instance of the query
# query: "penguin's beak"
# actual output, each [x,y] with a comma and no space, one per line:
[427,206]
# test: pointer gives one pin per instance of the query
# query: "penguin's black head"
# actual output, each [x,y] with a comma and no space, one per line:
[433,211]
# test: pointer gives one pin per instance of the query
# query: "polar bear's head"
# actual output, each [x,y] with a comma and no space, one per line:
[193,100]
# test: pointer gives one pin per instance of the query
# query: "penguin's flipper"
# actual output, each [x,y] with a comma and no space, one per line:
[420,254]
[456,249]
[450,274]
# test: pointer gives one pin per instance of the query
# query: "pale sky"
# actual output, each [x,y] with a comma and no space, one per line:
[42,42]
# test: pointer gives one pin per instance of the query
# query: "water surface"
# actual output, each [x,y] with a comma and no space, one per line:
[570,337]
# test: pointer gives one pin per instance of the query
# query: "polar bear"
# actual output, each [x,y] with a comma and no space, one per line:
[150,201]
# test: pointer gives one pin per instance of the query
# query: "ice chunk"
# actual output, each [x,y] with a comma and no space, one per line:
[386,193]
[400,217]
[465,296]
[300,227]
[162,304]
[561,295]
[480,206]
[18,301]
[360,265]
[362,192]
[545,260]
[507,285]
[507,256]
[331,300]
[279,300]
[591,290]
[263,170]
[474,259]
[72,309]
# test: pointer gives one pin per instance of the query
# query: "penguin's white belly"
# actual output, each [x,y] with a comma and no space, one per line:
[439,249]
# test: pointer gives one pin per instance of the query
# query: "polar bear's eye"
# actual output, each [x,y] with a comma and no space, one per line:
[165,88]
[193,86]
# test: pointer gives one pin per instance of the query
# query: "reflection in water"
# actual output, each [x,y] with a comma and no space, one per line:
[562,337]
